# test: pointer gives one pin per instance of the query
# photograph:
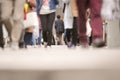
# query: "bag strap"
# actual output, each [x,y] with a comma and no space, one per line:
[64,5]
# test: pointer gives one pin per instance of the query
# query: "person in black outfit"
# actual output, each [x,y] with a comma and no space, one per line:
[59,27]
[1,31]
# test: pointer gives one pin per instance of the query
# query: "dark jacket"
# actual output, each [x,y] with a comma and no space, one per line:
[59,26]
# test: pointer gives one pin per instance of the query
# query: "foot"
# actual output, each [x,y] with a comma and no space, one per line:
[14,46]
[73,46]
[98,43]
[69,44]
[84,45]
[2,46]
[22,45]
[45,44]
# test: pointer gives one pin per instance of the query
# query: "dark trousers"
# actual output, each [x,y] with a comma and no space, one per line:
[68,34]
[1,31]
[96,20]
[47,21]
[1,36]
[28,38]
[72,34]
[74,31]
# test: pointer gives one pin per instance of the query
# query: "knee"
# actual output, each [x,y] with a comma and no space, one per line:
[18,17]
[5,17]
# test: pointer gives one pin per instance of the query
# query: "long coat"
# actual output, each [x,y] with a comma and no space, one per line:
[68,16]
[74,8]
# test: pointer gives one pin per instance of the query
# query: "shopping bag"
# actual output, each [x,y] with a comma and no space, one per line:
[88,28]
[31,20]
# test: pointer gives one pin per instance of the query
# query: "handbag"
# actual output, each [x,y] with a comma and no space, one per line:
[31,20]
[88,28]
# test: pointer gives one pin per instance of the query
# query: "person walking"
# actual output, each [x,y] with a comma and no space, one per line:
[12,16]
[70,20]
[59,27]
[1,31]
[46,10]
[95,21]
[75,21]
[32,25]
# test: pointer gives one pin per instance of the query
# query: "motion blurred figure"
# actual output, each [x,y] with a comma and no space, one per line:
[96,22]
[12,16]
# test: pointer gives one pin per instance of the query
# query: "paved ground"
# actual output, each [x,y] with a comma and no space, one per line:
[61,57]
[60,63]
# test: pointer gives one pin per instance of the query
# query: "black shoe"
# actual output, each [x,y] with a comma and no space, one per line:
[58,43]
[98,43]
[22,45]
[2,46]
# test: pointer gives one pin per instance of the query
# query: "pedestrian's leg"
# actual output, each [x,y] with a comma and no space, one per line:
[40,37]
[57,38]
[64,37]
[74,32]
[51,18]
[22,42]
[68,36]
[60,38]
[33,40]
[1,31]
[44,28]
[1,36]
[82,6]
[6,12]
[17,21]
[96,19]
[96,23]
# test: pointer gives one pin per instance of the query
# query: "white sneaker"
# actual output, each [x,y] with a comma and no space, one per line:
[14,46]
[45,44]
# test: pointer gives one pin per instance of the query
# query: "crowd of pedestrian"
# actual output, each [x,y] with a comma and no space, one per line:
[31,23]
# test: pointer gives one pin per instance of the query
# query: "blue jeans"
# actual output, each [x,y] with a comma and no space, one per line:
[40,37]
[29,39]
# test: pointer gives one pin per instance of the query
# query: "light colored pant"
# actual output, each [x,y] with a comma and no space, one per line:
[12,17]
